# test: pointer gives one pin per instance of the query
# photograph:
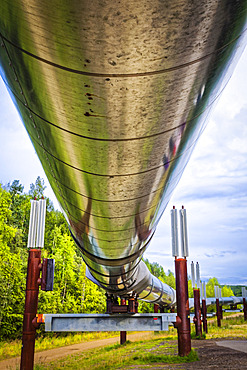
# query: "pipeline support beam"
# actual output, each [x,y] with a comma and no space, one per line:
[123,332]
[204,316]
[183,313]
[245,309]
[218,312]
[31,304]
[197,317]
[108,322]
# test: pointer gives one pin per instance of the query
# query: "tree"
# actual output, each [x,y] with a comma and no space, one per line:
[15,188]
[11,273]
[212,282]
[37,190]
[156,269]
[12,283]
[7,232]
[20,211]
[226,291]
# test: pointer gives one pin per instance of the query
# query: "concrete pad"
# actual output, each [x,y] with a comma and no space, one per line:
[238,345]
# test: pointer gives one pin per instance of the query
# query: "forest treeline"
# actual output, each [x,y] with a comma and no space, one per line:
[73,292]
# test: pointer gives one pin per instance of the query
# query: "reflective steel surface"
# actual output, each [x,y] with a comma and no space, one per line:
[114,96]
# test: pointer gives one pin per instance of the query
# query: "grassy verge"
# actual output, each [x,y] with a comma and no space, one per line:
[10,349]
[159,350]
[231,327]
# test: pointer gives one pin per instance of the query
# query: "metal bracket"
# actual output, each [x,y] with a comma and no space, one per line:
[48,268]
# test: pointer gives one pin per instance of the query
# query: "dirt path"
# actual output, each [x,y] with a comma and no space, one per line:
[56,353]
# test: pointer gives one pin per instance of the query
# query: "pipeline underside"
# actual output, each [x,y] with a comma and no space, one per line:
[114,96]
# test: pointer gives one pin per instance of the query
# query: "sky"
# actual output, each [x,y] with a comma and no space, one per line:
[213,188]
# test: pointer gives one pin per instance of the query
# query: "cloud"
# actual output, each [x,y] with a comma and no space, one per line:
[220,254]
[159,254]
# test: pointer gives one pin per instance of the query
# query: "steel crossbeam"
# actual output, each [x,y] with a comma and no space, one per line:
[107,322]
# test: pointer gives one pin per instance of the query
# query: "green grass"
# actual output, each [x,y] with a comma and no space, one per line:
[161,347]
[231,327]
[194,336]
[10,349]
[157,350]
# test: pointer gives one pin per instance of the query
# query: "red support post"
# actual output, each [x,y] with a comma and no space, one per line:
[218,313]
[123,333]
[131,305]
[31,305]
[197,317]
[245,309]
[136,305]
[156,308]
[183,313]
[221,312]
[109,303]
[204,316]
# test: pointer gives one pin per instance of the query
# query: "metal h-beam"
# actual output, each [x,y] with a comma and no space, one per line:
[109,322]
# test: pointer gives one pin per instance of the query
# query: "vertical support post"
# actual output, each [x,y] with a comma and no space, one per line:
[218,313]
[108,303]
[221,312]
[162,310]
[204,307]
[221,306]
[131,305]
[31,304]
[183,312]
[123,333]
[204,316]
[156,308]
[244,293]
[245,309]
[197,317]
[136,305]
[218,310]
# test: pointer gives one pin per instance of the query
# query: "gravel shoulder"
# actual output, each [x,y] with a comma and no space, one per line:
[213,355]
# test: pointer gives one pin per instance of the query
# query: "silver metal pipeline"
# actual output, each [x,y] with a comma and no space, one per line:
[224,301]
[114,96]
